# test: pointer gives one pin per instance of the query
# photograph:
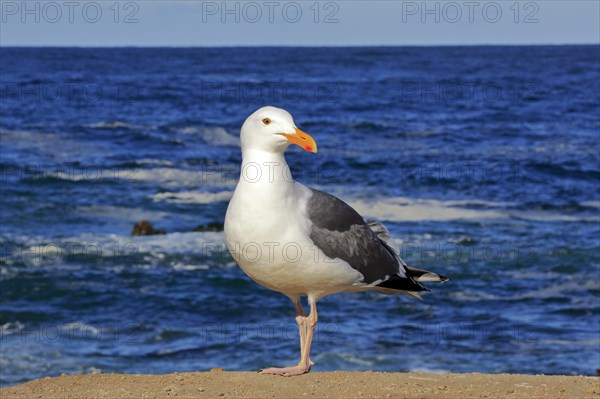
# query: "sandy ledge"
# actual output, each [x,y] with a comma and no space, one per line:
[340,384]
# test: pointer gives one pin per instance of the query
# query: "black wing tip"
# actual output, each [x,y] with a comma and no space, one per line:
[402,284]
[421,275]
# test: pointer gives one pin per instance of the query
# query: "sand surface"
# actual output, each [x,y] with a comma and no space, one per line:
[341,384]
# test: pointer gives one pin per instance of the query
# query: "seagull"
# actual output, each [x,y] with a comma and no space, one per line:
[304,242]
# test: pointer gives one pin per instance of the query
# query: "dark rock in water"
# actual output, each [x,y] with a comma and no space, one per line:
[145,228]
[212,226]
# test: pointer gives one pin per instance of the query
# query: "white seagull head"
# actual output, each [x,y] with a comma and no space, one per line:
[273,129]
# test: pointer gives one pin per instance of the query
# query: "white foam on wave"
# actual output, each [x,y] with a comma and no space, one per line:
[562,290]
[150,161]
[80,327]
[151,251]
[121,213]
[172,243]
[548,216]
[11,327]
[474,296]
[208,177]
[212,135]
[403,209]
[591,204]
[410,209]
[186,267]
[112,125]
[571,343]
[351,358]
[558,290]
[44,143]
[193,197]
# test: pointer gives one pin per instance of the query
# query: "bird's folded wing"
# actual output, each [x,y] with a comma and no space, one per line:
[341,233]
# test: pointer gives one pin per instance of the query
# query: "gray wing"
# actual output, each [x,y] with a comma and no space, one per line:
[340,232]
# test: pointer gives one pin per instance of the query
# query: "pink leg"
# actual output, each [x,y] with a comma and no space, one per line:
[300,320]
[306,328]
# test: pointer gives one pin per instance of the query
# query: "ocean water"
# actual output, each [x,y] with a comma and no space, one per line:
[482,161]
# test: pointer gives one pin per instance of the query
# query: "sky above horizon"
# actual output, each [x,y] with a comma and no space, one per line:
[290,23]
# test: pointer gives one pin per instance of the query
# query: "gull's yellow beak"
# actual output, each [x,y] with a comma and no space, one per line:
[301,139]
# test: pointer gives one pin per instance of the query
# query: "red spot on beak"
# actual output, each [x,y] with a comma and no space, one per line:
[308,148]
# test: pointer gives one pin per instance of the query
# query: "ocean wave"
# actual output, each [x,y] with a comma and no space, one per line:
[11,328]
[120,213]
[562,290]
[180,251]
[566,170]
[193,197]
[571,343]
[541,216]
[344,358]
[590,204]
[403,209]
[212,135]
[80,328]
[113,125]
[185,267]
[473,296]
[44,143]
[90,175]
[150,161]
[187,178]
[559,290]
[173,243]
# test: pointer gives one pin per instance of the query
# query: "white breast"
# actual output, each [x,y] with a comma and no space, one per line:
[267,233]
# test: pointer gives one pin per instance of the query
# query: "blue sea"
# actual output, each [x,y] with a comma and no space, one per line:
[483,162]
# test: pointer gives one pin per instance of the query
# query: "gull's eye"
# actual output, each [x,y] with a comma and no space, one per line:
[266,121]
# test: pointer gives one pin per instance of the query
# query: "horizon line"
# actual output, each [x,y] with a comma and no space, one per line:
[296,46]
